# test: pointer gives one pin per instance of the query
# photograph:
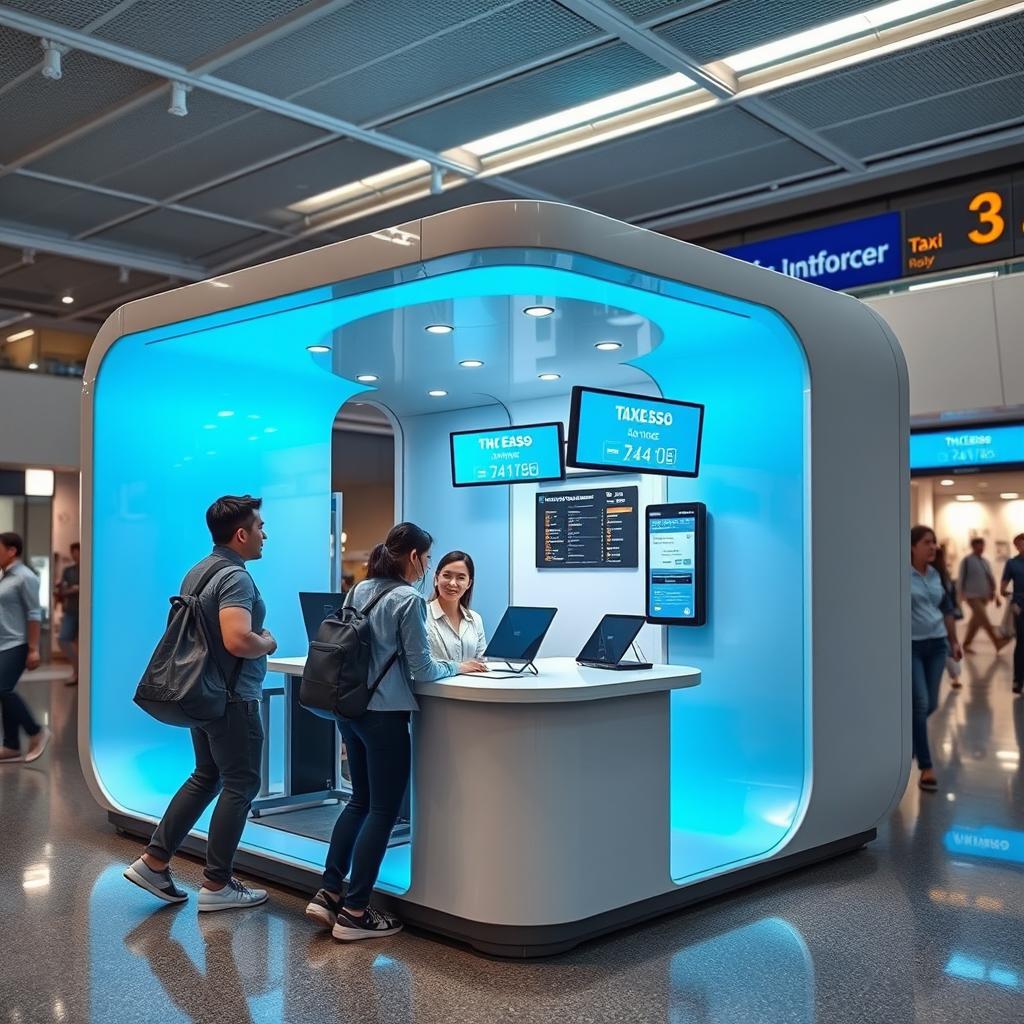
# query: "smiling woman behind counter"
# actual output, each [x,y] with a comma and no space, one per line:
[456,632]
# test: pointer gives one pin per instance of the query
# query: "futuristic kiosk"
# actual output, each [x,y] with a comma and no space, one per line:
[545,810]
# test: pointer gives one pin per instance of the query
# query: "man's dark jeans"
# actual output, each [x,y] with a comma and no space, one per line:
[227,763]
[16,715]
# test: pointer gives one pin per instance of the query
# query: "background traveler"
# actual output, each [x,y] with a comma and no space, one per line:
[67,593]
[953,667]
[377,743]
[456,631]
[227,750]
[978,588]
[20,618]
[1013,584]
[933,636]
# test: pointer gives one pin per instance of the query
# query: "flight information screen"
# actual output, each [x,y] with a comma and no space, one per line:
[508,455]
[596,529]
[676,564]
[633,433]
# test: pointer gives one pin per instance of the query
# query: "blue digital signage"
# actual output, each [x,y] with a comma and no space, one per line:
[967,449]
[633,433]
[508,455]
[842,256]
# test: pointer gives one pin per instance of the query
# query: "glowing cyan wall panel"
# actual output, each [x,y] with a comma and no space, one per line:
[234,403]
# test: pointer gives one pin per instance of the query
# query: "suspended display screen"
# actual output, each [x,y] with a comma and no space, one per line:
[634,433]
[508,455]
[967,449]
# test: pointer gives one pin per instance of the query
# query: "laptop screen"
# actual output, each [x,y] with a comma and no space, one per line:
[610,641]
[519,634]
[316,607]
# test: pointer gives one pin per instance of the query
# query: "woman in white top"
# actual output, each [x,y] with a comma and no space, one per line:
[456,632]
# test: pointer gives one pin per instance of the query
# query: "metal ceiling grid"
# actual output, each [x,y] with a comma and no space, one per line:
[504,39]
[642,10]
[169,232]
[359,34]
[916,86]
[736,25]
[38,109]
[566,83]
[75,14]
[267,193]
[185,30]
[51,207]
[20,53]
[43,282]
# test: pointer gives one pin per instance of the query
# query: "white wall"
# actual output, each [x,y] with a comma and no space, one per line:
[997,521]
[39,420]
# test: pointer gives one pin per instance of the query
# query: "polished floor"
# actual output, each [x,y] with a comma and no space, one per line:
[927,924]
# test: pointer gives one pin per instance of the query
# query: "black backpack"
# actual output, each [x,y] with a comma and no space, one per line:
[183,684]
[336,679]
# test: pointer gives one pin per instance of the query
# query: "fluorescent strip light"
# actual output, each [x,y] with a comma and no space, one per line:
[21,335]
[963,279]
[965,497]
[376,183]
[1009,495]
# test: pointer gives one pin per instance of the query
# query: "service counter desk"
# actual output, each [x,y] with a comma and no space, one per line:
[540,804]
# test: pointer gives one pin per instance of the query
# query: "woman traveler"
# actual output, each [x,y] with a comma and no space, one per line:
[456,631]
[20,616]
[377,743]
[953,667]
[933,636]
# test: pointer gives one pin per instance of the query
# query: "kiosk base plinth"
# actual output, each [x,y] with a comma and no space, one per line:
[523,942]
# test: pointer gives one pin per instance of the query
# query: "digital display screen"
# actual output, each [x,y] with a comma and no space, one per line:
[676,564]
[633,433]
[967,450]
[508,455]
[596,529]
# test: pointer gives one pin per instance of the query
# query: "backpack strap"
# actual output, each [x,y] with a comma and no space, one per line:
[204,582]
[372,687]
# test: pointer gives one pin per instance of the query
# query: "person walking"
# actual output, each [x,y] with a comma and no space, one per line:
[20,619]
[377,743]
[1013,587]
[227,750]
[67,593]
[978,588]
[933,637]
[953,667]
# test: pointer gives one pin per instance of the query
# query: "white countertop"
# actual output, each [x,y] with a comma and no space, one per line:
[559,680]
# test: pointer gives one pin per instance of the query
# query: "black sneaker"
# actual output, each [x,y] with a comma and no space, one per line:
[371,924]
[323,908]
[159,883]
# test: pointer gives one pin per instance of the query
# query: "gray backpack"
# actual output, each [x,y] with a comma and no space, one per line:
[183,684]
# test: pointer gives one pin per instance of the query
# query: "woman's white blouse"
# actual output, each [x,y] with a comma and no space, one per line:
[448,645]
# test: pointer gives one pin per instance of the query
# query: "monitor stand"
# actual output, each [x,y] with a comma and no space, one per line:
[624,666]
[527,666]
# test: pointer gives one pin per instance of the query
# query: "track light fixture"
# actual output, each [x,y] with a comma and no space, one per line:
[436,180]
[51,59]
[179,99]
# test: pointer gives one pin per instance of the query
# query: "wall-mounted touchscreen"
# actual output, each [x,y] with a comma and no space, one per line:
[677,564]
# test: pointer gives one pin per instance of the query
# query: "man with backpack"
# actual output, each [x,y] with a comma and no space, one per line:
[228,748]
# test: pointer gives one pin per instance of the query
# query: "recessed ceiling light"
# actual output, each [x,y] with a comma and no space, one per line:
[965,497]
[33,366]
[539,311]
[367,378]
[20,335]
[253,437]
[549,376]
[607,346]
[270,430]
[1009,496]
[318,348]
[226,412]
[626,320]
[67,299]
[947,483]
[209,426]
[471,364]
[439,328]
[437,393]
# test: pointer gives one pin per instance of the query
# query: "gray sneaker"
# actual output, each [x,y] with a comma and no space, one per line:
[159,883]
[234,896]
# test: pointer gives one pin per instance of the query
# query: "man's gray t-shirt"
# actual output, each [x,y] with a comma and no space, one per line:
[230,588]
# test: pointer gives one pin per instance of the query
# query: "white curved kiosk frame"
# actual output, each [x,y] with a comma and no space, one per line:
[549,810]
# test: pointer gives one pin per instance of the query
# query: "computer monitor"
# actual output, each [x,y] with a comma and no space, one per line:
[519,634]
[610,641]
[317,607]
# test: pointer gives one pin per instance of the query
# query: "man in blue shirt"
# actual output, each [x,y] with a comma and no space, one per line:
[1013,584]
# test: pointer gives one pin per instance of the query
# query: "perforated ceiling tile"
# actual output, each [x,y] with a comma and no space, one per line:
[933,70]
[969,112]
[274,188]
[185,30]
[641,10]
[550,89]
[43,282]
[737,25]
[687,142]
[55,208]
[72,13]
[38,109]
[178,234]
[502,41]
[18,54]
[343,42]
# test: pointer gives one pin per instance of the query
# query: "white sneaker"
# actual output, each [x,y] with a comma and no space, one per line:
[37,744]
[234,896]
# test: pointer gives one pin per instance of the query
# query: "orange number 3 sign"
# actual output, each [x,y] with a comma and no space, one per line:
[988,206]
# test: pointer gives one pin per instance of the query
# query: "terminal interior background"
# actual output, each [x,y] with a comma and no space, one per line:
[733,124]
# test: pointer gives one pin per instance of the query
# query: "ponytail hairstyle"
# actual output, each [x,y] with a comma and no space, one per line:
[386,559]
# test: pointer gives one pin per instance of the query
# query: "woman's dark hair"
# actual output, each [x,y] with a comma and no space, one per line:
[385,561]
[918,534]
[231,513]
[13,540]
[457,556]
[940,566]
